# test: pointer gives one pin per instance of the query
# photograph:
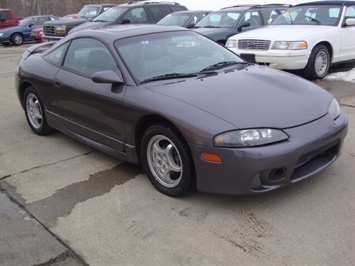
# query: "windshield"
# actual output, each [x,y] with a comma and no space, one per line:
[219,19]
[175,20]
[174,54]
[111,15]
[310,15]
[89,11]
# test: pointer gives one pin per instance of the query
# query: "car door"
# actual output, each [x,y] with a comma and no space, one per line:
[347,36]
[92,110]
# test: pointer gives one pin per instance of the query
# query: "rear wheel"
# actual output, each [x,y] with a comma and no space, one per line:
[167,160]
[17,39]
[35,112]
[318,63]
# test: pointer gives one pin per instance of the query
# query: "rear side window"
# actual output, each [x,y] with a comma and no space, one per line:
[158,12]
[56,56]
[176,8]
[5,15]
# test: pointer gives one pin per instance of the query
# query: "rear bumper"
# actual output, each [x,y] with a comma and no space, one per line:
[309,149]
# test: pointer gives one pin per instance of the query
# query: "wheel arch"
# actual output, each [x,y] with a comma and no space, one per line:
[22,89]
[328,46]
[149,120]
[17,32]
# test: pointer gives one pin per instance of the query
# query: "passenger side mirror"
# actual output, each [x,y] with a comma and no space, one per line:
[350,22]
[125,21]
[245,24]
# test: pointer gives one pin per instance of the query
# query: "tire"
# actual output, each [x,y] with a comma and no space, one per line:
[34,111]
[17,39]
[167,160]
[318,63]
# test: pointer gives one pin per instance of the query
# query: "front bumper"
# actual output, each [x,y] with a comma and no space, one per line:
[48,38]
[309,149]
[278,59]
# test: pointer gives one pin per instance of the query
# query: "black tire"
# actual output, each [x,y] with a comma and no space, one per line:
[17,39]
[318,63]
[34,111]
[167,160]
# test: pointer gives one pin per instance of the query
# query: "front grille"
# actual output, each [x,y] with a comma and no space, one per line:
[48,30]
[252,44]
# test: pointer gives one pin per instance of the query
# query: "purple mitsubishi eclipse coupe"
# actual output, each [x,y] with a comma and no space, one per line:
[190,111]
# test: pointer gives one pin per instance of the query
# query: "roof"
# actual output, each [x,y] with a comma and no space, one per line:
[114,32]
[338,3]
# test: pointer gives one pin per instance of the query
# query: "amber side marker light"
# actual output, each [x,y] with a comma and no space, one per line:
[210,157]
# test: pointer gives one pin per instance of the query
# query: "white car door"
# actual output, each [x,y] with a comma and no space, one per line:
[347,47]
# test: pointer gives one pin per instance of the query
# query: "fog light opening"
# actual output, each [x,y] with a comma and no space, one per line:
[277,174]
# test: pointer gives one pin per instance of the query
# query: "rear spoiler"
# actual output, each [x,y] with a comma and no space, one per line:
[37,48]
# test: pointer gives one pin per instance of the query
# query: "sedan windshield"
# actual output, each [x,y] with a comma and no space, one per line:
[111,15]
[89,11]
[170,55]
[310,15]
[25,21]
[175,19]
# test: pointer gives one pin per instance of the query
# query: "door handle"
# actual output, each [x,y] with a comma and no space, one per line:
[57,84]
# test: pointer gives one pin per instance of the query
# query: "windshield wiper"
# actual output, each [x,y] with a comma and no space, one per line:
[169,76]
[222,64]
[313,19]
[211,27]
[99,20]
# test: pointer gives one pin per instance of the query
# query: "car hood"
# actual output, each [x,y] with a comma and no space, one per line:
[252,97]
[66,22]
[213,31]
[285,32]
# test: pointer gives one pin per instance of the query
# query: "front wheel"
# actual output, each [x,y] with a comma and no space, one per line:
[318,63]
[17,39]
[35,112]
[167,160]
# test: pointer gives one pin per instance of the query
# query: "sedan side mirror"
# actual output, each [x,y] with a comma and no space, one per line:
[350,22]
[107,76]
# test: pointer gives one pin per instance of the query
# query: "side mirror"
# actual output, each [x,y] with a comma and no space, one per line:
[125,21]
[245,24]
[30,25]
[350,22]
[107,76]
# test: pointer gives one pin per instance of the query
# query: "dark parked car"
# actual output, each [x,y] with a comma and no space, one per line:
[134,12]
[19,34]
[191,111]
[187,19]
[58,29]
[222,24]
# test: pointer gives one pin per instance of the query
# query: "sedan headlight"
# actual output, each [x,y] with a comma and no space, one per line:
[249,137]
[61,29]
[231,43]
[334,109]
[288,45]
[1,34]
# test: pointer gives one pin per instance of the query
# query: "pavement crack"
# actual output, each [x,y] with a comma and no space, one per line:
[45,165]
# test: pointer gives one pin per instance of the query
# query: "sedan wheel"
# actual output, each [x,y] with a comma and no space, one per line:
[167,161]
[35,112]
[318,63]
[17,39]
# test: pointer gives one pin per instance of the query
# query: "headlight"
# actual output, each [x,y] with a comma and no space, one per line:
[1,34]
[286,45]
[231,43]
[61,29]
[334,109]
[249,137]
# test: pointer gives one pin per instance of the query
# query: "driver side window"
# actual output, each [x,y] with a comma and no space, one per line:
[87,56]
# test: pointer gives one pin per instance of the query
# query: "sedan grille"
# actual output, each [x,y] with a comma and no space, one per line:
[252,44]
[48,30]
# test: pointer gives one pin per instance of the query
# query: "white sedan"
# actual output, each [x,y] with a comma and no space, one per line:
[309,36]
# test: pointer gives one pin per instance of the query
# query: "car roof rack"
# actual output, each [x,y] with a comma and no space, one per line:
[258,6]
[152,3]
